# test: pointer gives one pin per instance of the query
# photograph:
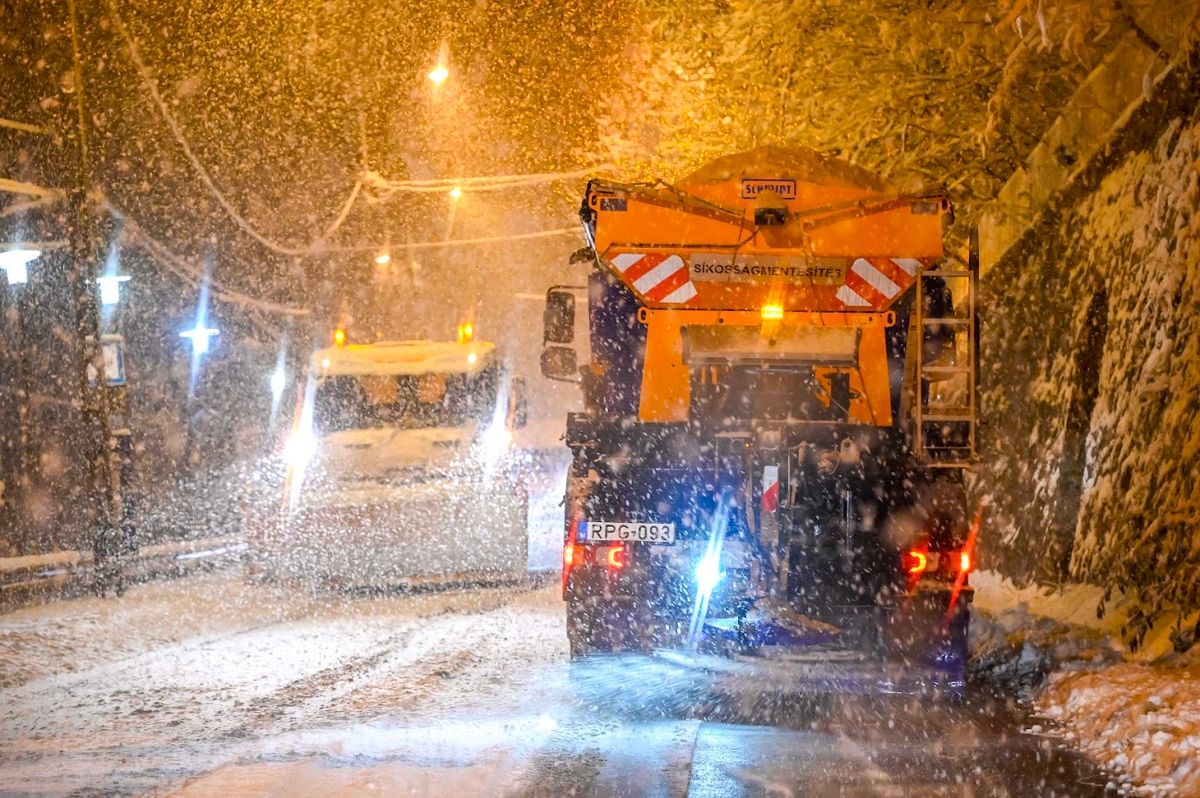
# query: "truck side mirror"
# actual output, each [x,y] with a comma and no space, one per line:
[558,319]
[559,363]
[518,405]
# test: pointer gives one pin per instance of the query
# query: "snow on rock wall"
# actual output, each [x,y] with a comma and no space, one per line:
[1091,383]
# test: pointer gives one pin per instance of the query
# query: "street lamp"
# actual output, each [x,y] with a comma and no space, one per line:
[278,382]
[110,288]
[439,73]
[15,263]
[383,259]
[456,192]
[200,337]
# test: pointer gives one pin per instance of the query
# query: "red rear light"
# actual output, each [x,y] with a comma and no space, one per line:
[572,554]
[964,562]
[914,562]
[616,558]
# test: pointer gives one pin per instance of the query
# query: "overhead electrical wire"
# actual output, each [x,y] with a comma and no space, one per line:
[192,274]
[483,183]
[177,132]
[478,183]
[456,242]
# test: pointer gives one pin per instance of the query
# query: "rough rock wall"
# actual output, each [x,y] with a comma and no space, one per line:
[1091,374]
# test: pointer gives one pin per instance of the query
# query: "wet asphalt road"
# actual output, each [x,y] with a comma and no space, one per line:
[974,749]
[214,687]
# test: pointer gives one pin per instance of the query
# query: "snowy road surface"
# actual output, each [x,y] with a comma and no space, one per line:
[214,687]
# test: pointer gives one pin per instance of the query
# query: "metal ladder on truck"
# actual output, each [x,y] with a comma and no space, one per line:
[946,427]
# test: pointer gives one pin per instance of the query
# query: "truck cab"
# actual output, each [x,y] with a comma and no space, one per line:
[401,469]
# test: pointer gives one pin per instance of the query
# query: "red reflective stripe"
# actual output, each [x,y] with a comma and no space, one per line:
[866,290]
[890,270]
[676,279]
[648,262]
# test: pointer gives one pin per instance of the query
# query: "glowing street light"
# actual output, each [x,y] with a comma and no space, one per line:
[110,288]
[439,73]
[278,382]
[201,338]
[15,263]
[456,192]
[383,259]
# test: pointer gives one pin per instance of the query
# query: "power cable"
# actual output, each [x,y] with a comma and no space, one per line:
[483,183]
[177,131]
[456,242]
[194,275]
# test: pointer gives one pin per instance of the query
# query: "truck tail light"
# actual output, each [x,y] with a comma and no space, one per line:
[950,564]
[914,562]
[572,553]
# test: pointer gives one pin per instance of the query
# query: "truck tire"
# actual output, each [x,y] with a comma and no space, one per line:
[585,631]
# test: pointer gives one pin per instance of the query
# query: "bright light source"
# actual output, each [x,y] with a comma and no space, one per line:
[772,312]
[278,382]
[495,440]
[466,333]
[325,363]
[439,74]
[383,259]
[708,572]
[915,562]
[339,336]
[15,263]
[201,338]
[964,561]
[472,358]
[616,557]
[110,288]
[455,192]
[300,448]
[569,555]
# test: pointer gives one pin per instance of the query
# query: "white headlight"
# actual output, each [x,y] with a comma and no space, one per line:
[495,440]
[300,447]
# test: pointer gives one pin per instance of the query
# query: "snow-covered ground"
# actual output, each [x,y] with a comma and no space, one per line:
[216,686]
[176,678]
[1138,713]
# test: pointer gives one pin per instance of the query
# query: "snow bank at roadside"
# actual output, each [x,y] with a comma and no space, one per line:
[1138,714]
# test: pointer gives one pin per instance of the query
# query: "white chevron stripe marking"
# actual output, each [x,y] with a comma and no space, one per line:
[659,273]
[909,265]
[681,294]
[626,259]
[877,279]
[849,297]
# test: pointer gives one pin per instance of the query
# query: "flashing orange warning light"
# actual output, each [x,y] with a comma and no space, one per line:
[772,312]
[466,332]
[339,336]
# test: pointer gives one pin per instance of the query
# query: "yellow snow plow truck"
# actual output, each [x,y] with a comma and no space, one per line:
[780,402]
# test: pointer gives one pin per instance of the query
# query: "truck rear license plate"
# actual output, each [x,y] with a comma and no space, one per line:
[628,531]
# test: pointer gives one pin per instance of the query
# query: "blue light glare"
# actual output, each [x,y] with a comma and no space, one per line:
[708,572]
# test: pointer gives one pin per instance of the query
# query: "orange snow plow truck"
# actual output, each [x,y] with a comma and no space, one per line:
[779,383]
